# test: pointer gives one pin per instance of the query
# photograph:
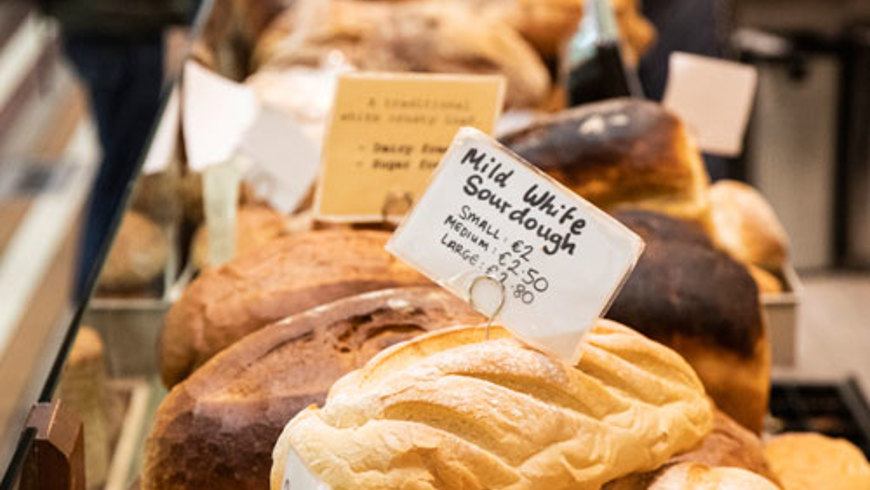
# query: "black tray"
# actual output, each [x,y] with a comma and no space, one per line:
[836,409]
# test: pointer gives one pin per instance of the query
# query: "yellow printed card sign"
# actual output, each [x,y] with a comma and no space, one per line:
[387,133]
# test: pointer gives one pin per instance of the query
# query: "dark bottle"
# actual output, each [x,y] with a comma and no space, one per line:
[593,67]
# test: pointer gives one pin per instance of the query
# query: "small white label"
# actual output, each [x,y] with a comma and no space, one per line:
[285,160]
[714,98]
[297,476]
[487,212]
[165,137]
[215,114]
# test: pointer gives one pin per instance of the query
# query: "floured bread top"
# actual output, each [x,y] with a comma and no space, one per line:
[449,410]
[216,429]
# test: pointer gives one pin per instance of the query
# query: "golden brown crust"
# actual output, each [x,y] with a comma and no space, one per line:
[138,255]
[449,410]
[216,429]
[746,226]
[280,278]
[255,225]
[695,476]
[806,461]
[617,153]
[767,283]
[699,301]
[407,37]
[728,445]
[739,385]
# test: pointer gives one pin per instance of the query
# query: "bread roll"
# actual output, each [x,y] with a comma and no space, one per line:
[280,278]
[82,391]
[728,444]
[806,461]
[449,410]
[767,283]
[699,301]
[746,226]
[430,37]
[620,153]
[216,429]
[255,225]
[698,476]
[137,257]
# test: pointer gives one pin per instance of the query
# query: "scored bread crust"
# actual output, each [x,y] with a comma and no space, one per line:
[276,280]
[449,410]
[620,153]
[216,429]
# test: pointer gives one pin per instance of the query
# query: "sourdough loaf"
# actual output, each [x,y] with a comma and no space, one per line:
[451,410]
[216,429]
[137,257]
[255,225]
[699,476]
[430,37]
[84,394]
[696,299]
[620,153]
[280,278]
[807,461]
[727,445]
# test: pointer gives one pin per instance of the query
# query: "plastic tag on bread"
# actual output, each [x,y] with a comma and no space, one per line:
[297,476]
[388,131]
[489,213]
[714,98]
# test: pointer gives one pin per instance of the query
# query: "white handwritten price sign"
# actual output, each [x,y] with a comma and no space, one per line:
[487,212]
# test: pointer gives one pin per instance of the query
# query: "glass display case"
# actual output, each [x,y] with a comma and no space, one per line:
[106,351]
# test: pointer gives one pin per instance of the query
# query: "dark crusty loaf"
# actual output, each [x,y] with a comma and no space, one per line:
[698,300]
[276,280]
[620,153]
[216,429]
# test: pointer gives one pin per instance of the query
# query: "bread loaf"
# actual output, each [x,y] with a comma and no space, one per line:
[727,445]
[280,278]
[745,225]
[430,37]
[83,392]
[449,410]
[216,429]
[255,225]
[699,476]
[767,283]
[137,257]
[806,461]
[699,301]
[620,153]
